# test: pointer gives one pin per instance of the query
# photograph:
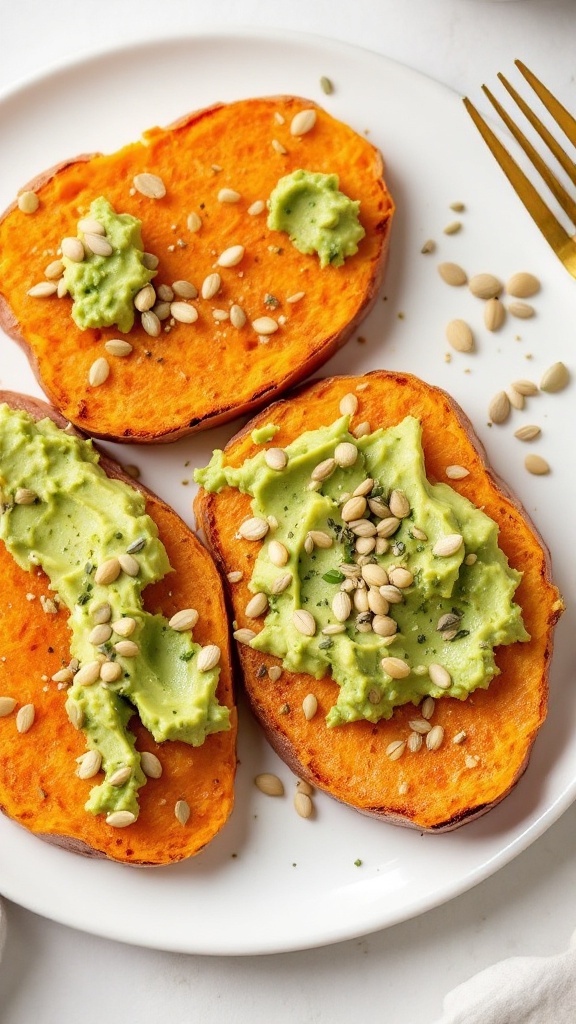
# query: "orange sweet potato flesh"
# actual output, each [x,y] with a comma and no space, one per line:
[38,785]
[198,375]
[441,790]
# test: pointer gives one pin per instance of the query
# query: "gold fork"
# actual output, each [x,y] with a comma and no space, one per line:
[563,244]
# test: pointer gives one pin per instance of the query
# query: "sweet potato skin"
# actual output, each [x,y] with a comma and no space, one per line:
[432,791]
[38,787]
[197,376]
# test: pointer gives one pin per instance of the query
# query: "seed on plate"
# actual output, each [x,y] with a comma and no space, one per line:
[452,274]
[525,387]
[345,454]
[211,286]
[399,504]
[120,819]
[110,672]
[231,257]
[98,372]
[555,378]
[453,227]
[517,400]
[145,298]
[244,636]
[182,811]
[265,325]
[72,249]
[118,347]
[129,564]
[120,776]
[499,408]
[7,705]
[303,804]
[257,605]
[100,634]
[440,676]
[309,706]
[149,185]
[348,404]
[459,335]
[193,222]
[454,473]
[304,622]
[97,244]
[494,314]
[521,310]
[485,286]
[125,626]
[528,432]
[25,717]
[150,764]
[428,246]
[184,620]
[523,285]
[88,674]
[208,658]
[151,323]
[43,290]
[395,749]
[326,85]
[89,764]
[303,122]
[254,528]
[127,648]
[28,202]
[269,784]
[396,668]
[536,465]
[448,545]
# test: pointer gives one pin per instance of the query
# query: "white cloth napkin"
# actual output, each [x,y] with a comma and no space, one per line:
[521,990]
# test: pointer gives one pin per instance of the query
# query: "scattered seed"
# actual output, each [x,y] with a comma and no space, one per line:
[374,575]
[72,249]
[258,605]
[149,185]
[25,717]
[459,335]
[110,671]
[414,742]
[274,673]
[193,222]
[25,496]
[125,626]
[353,509]
[228,195]
[7,705]
[401,577]
[184,290]
[345,454]
[129,564]
[275,458]
[182,811]
[521,310]
[127,648]
[118,347]
[388,526]
[184,620]
[183,312]
[150,261]
[304,622]
[309,706]
[121,776]
[420,725]
[211,286]
[452,274]
[348,404]
[254,528]
[362,429]
[88,674]
[54,270]
[455,473]
[295,297]
[396,668]
[278,147]
[494,314]
[435,737]
[428,246]
[98,372]
[151,323]
[399,504]
[151,765]
[440,676]
[523,285]
[453,228]
[277,553]
[320,539]
[392,594]
[516,398]
[448,545]
[499,408]
[485,286]
[64,675]
[471,761]
[120,819]
[42,290]
[269,784]
[326,85]
[89,764]
[395,749]
[536,465]
[555,378]
[265,325]
[459,737]
[75,714]
[97,244]
[303,122]
[525,387]
[341,606]
[208,658]
[237,316]
[145,298]
[28,202]
[235,576]
[244,636]
[257,207]
[281,583]
[303,804]
[528,432]
[427,707]
[471,559]
[99,634]
[231,257]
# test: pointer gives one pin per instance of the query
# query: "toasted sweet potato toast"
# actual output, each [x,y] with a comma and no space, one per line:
[429,789]
[218,168]
[39,787]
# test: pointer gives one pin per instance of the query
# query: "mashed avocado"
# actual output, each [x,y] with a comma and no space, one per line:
[73,519]
[418,612]
[103,287]
[316,216]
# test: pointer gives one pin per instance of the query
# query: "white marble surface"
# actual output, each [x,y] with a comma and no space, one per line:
[50,973]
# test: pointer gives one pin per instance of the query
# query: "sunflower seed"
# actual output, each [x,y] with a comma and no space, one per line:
[401,577]
[54,270]
[309,706]
[7,705]
[25,717]
[75,714]
[341,606]
[42,290]
[129,564]
[555,378]
[275,458]
[269,784]
[254,528]
[118,347]
[110,671]
[257,605]
[353,509]
[228,195]
[303,122]
[72,249]
[427,707]
[127,648]
[150,764]
[448,545]
[231,257]
[395,667]
[414,742]
[420,725]
[149,185]
[244,636]
[374,575]
[256,207]
[320,539]
[440,676]
[97,244]
[208,658]
[120,819]
[121,776]
[348,404]
[454,473]
[184,620]
[392,594]
[25,496]
[459,335]
[183,312]
[125,626]
[88,674]
[304,622]
[387,527]
[383,625]
[499,408]
[182,811]
[265,325]
[98,372]
[536,465]
[399,504]
[89,764]
[523,285]
[100,634]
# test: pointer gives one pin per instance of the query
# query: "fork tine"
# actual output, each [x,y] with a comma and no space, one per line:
[558,191]
[553,232]
[563,159]
[562,117]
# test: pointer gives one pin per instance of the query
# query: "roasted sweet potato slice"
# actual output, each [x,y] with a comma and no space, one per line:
[38,785]
[430,789]
[196,375]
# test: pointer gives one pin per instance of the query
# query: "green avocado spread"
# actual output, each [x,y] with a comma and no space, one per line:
[103,286]
[316,216]
[62,513]
[407,598]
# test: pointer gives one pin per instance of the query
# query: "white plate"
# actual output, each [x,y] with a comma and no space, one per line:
[272,881]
